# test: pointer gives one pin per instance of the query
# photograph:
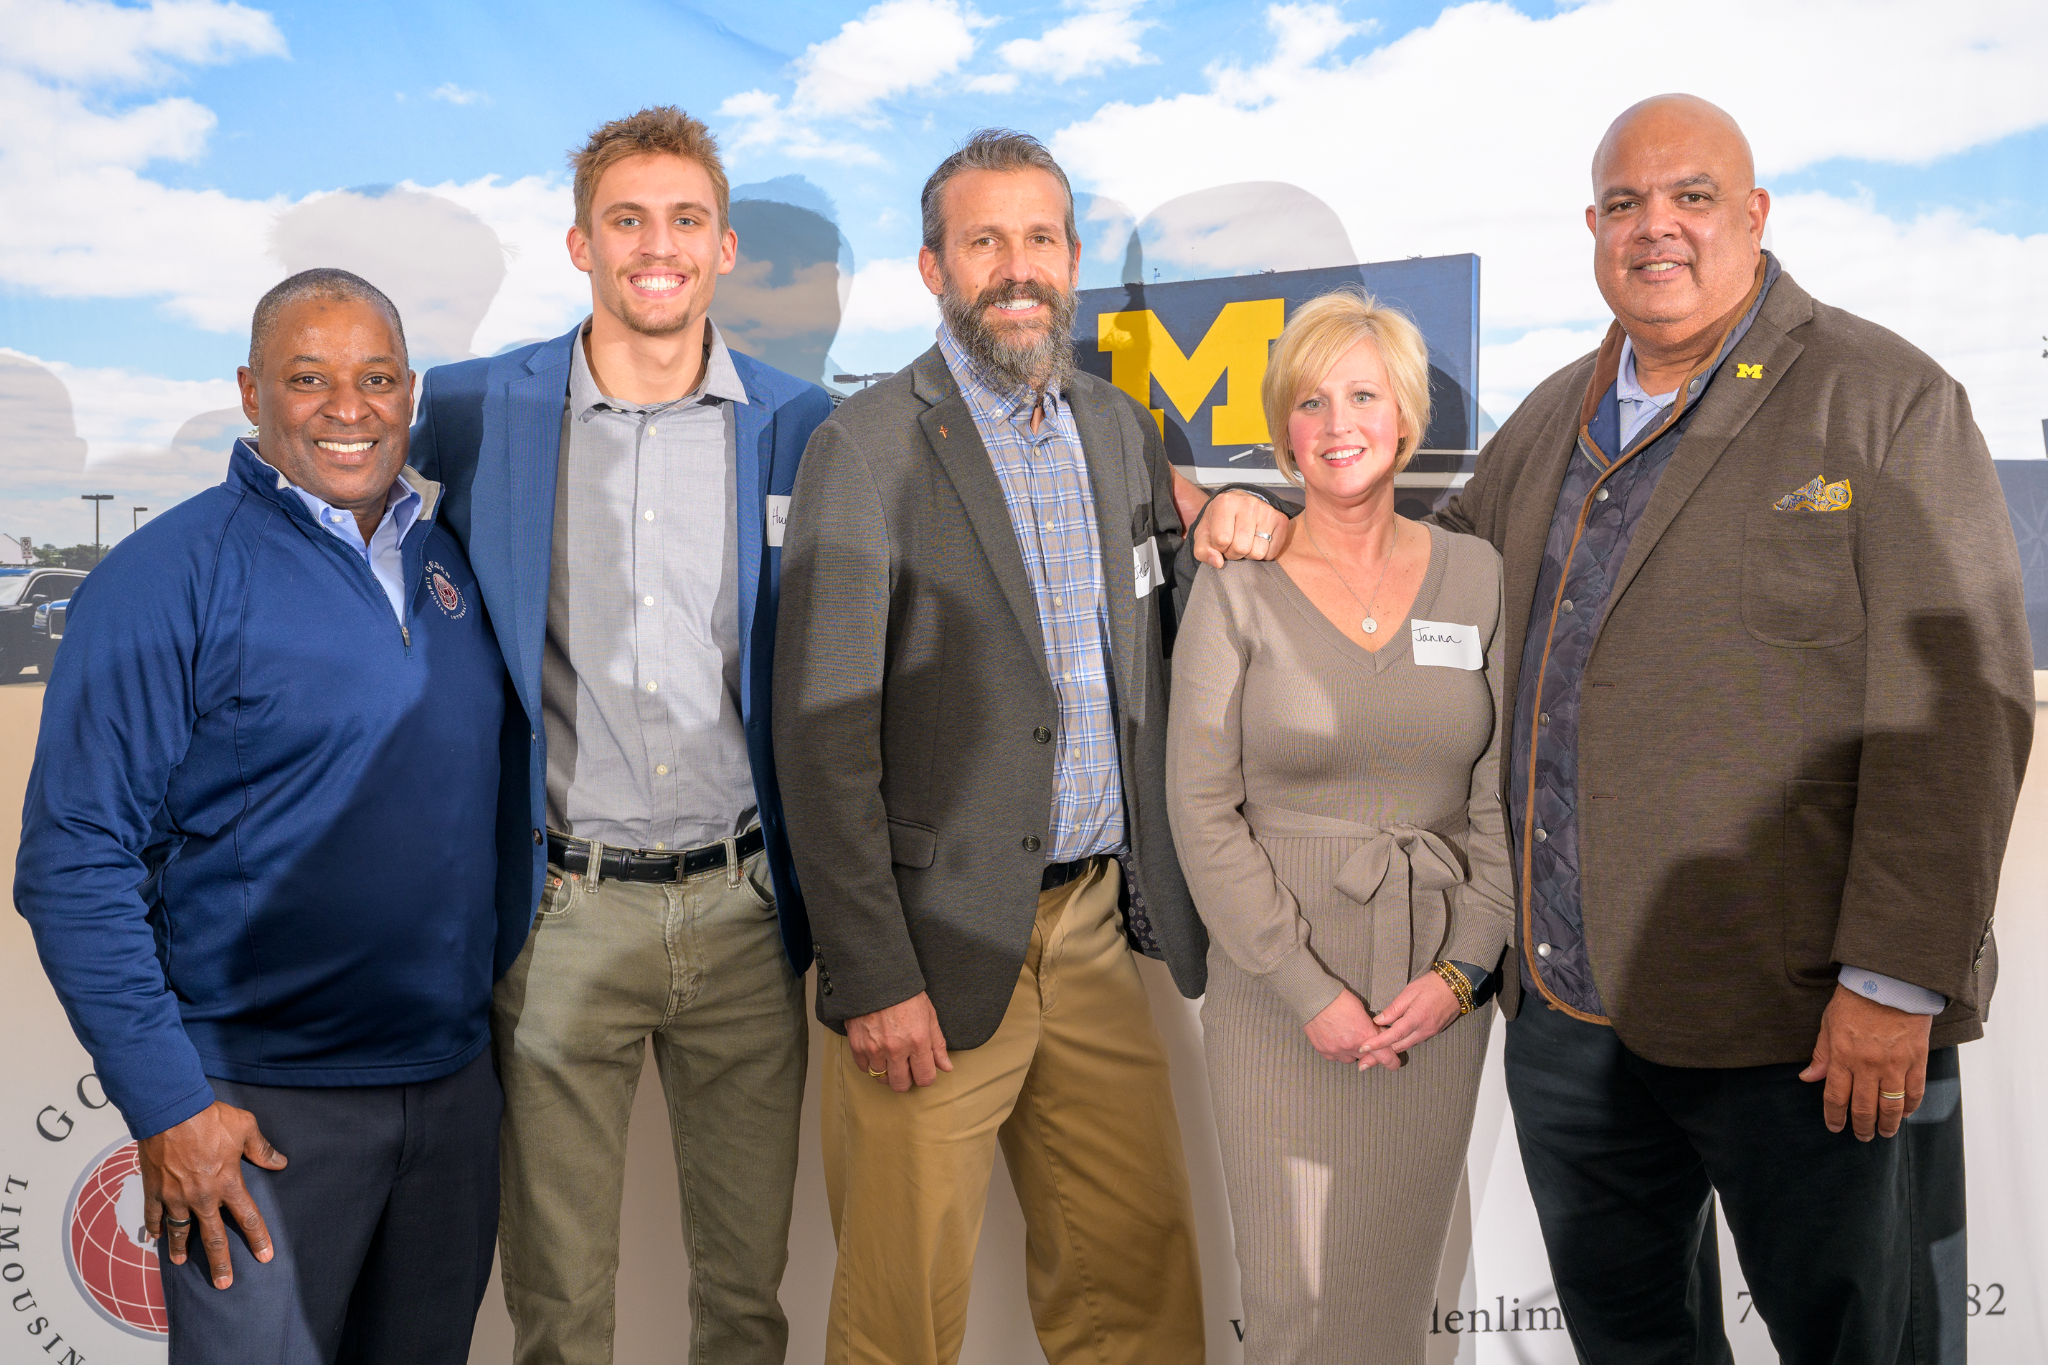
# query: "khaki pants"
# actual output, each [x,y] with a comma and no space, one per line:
[1073,1086]
[698,966]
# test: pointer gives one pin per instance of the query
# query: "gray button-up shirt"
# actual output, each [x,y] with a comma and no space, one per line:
[1044,477]
[640,677]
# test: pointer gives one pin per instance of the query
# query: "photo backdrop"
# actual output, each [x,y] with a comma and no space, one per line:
[163,164]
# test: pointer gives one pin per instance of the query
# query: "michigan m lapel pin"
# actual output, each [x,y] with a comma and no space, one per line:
[1743,371]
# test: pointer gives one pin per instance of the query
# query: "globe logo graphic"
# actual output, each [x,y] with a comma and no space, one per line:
[111,1255]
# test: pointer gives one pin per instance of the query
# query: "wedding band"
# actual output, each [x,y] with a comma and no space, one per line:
[1263,535]
[1888,1095]
[879,1074]
[177,1222]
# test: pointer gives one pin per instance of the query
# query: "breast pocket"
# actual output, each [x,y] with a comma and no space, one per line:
[1799,585]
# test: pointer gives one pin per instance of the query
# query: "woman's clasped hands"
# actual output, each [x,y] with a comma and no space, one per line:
[1346,1032]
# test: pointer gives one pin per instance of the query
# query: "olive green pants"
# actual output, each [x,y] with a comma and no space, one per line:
[698,966]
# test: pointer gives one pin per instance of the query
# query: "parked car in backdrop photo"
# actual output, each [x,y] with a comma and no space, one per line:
[29,630]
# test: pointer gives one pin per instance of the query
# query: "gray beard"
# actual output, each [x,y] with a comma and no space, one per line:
[1045,362]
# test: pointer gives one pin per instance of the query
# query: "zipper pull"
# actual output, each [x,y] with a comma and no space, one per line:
[406,631]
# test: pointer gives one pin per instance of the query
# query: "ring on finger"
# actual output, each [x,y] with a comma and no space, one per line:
[177,1224]
[878,1075]
[1889,1095]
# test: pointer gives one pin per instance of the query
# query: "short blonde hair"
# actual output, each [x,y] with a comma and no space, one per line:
[660,128]
[1317,337]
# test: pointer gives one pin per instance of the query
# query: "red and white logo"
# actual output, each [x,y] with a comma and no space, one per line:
[445,592]
[111,1254]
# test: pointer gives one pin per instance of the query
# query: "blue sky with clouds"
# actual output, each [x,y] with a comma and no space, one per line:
[147,153]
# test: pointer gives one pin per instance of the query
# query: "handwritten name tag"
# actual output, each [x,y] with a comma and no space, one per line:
[1446,644]
[1146,570]
[778,516]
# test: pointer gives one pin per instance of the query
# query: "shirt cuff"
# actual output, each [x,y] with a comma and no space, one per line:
[1889,990]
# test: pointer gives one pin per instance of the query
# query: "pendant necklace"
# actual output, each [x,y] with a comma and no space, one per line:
[1368,625]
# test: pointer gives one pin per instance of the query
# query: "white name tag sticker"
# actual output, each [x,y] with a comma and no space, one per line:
[1446,644]
[1146,570]
[778,516]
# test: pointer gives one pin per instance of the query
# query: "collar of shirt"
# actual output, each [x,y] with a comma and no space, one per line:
[720,380]
[401,509]
[986,394]
[1638,409]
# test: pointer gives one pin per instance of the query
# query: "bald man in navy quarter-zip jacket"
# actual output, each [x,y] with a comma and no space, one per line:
[258,856]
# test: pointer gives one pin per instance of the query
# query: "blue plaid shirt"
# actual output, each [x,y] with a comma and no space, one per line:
[1044,477]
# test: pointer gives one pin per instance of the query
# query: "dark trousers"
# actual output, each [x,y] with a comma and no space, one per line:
[384,1223]
[1853,1251]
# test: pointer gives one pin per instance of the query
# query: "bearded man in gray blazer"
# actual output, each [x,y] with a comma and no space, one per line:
[1769,703]
[970,718]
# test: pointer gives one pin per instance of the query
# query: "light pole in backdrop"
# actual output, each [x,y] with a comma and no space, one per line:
[136,520]
[95,499]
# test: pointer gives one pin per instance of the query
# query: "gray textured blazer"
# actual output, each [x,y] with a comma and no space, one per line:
[914,712]
[1802,734]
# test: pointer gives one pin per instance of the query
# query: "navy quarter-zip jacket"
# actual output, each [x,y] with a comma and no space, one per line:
[259,837]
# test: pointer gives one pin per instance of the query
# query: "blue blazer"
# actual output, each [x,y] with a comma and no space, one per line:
[490,432]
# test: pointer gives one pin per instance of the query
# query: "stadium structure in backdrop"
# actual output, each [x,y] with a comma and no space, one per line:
[1194,353]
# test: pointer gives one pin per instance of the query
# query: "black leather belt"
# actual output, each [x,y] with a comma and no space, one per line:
[645,865]
[1059,874]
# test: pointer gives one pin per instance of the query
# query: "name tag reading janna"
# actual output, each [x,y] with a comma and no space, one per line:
[1446,644]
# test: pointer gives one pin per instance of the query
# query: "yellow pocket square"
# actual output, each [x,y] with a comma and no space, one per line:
[1817,496]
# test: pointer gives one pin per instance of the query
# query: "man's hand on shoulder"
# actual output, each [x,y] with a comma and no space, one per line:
[192,1172]
[1874,1060]
[1233,524]
[901,1044]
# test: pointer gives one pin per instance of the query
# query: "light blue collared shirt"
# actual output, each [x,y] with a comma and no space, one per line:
[401,509]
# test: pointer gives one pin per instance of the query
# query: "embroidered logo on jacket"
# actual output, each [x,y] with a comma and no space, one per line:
[445,592]
[1743,371]
[1816,496]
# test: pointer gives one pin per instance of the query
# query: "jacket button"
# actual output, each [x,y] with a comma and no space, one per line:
[1568,607]
[1042,735]
[1031,844]
[1542,836]
[1543,950]
[826,988]
[536,838]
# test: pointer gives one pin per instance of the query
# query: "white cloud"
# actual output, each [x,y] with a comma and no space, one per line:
[889,296]
[89,41]
[1515,104]
[451,93]
[1509,370]
[997,83]
[1103,34]
[893,48]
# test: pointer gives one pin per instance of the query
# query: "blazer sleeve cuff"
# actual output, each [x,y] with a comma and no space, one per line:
[1303,984]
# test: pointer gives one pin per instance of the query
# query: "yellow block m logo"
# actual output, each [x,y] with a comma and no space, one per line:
[1141,350]
[1748,371]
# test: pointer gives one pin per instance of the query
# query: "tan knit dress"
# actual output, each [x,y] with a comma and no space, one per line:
[1335,813]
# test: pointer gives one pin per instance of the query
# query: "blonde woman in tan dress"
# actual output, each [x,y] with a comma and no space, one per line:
[1331,779]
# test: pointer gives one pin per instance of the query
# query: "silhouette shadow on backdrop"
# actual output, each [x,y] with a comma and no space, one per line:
[783,300]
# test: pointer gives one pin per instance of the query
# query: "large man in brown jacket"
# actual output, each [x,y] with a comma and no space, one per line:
[1769,705]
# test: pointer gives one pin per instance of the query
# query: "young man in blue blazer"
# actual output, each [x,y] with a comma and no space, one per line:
[619,491]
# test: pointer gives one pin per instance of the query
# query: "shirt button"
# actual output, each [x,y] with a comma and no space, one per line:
[654,431]
[1031,844]
[647,601]
[1600,496]
[660,770]
[1543,950]
[649,514]
[1542,836]
[661,845]
[1055,600]
[1042,735]
[1568,607]
[650,687]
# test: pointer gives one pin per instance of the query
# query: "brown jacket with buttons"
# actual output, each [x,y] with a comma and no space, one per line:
[1801,733]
